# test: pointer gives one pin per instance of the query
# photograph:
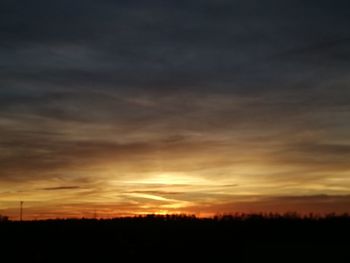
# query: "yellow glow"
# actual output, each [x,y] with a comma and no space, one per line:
[169,179]
[148,196]
[162,212]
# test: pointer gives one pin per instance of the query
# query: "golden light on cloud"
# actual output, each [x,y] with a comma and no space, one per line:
[169,179]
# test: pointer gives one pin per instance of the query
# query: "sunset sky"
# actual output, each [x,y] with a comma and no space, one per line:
[187,106]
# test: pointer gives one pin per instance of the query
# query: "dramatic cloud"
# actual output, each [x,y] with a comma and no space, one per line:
[149,106]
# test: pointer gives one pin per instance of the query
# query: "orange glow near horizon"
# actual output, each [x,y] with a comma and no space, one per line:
[245,189]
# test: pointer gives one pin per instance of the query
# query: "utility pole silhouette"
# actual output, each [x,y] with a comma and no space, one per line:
[20,210]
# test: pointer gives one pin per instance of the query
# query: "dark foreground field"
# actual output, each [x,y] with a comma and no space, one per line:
[177,238]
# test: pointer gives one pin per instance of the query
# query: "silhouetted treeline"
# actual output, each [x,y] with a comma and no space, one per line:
[4,218]
[228,238]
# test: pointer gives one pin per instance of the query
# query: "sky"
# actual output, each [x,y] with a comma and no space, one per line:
[115,108]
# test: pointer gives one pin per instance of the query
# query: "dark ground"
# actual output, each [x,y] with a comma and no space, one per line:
[178,238]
